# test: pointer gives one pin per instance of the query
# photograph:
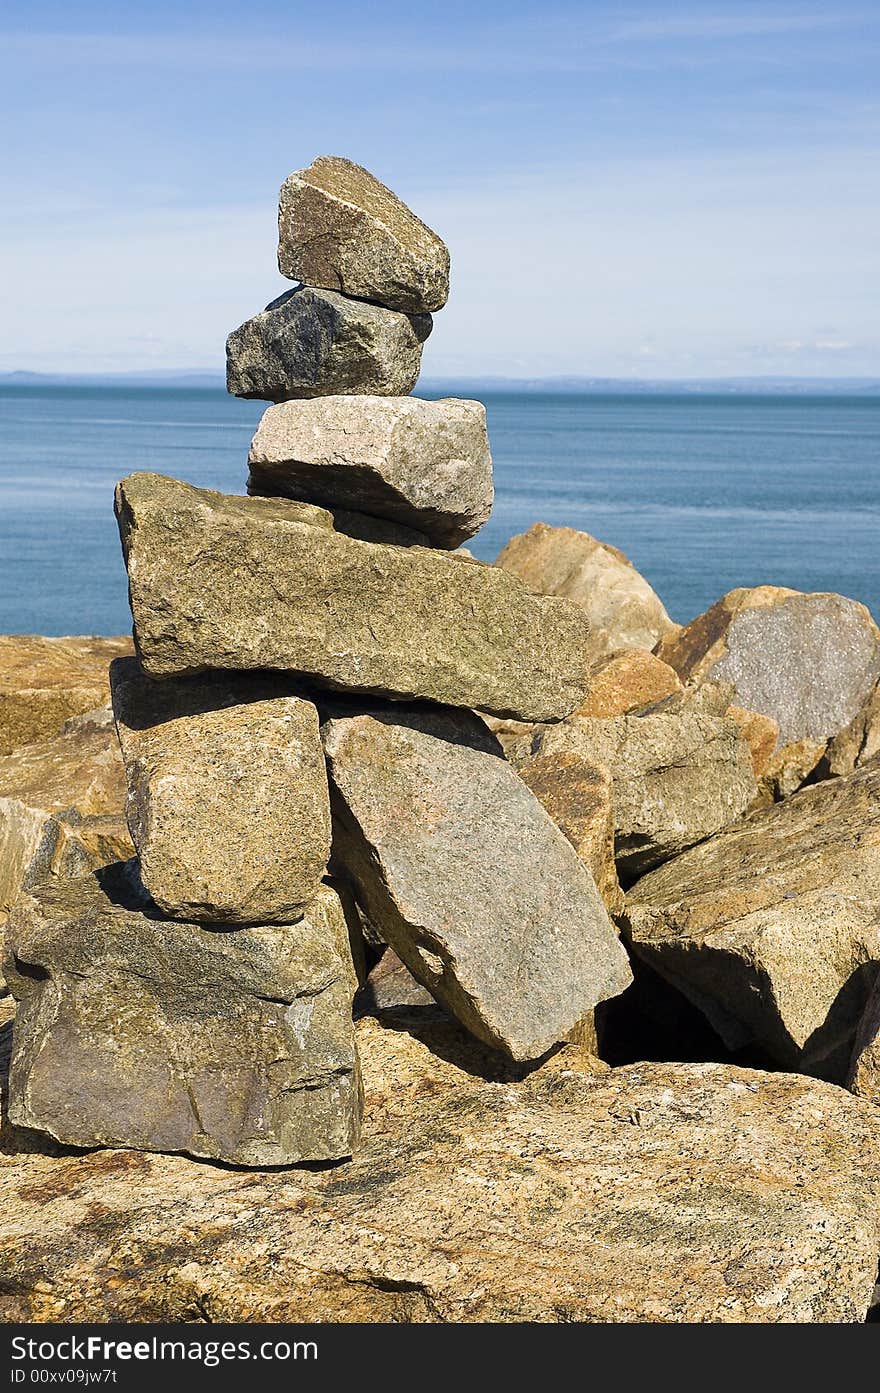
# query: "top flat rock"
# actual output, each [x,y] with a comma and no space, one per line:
[222,582]
[340,228]
[623,609]
[808,661]
[659,1192]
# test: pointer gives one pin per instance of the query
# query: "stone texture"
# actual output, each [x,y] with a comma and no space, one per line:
[227,795]
[578,795]
[858,742]
[657,1193]
[772,928]
[338,227]
[425,464]
[623,609]
[149,1033]
[315,343]
[630,680]
[808,661]
[681,772]
[864,1071]
[61,805]
[761,734]
[45,681]
[467,878]
[222,582]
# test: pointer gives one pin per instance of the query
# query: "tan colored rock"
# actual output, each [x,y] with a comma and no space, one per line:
[228,804]
[425,464]
[45,681]
[61,805]
[858,742]
[622,608]
[578,795]
[340,228]
[315,343]
[807,661]
[761,734]
[681,772]
[223,582]
[772,928]
[467,878]
[657,1193]
[628,681]
[864,1070]
[138,1031]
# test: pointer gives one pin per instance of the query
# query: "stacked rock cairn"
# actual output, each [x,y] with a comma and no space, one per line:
[306,765]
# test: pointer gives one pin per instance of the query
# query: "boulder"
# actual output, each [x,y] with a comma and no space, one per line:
[671,1193]
[681,772]
[761,734]
[772,927]
[808,661]
[623,610]
[425,464]
[630,680]
[144,1032]
[338,227]
[61,805]
[315,343]
[467,878]
[228,804]
[858,742]
[223,582]
[45,681]
[578,795]
[863,1076]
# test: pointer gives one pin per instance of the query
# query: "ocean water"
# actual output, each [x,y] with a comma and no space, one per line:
[702,492]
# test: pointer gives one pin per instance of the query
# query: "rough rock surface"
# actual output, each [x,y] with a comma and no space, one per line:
[223,582]
[623,609]
[137,1031]
[761,734]
[659,1192]
[425,464]
[628,681]
[467,878]
[45,681]
[681,772]
[809,661]
[61,805]
[864,1070]
[315,343]
[772,928]
[227,795]
[858,742]
[340,228]
[578,795]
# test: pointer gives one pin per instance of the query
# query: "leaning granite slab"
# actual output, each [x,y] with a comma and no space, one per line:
[624,611]
[45,681]
[466,876]
[316,343]
[227,794]
[61,805]
[425,464]
[656,1193]
[339,227]
[134,1030]
[681,771]
[223,582]
[858,742]
[772,928]
[808,661]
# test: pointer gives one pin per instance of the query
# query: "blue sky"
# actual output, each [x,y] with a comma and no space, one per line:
[646,190]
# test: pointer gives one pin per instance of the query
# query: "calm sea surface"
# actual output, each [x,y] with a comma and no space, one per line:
[703,493]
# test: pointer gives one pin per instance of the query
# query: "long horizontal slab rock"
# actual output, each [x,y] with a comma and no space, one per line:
[467,878]
[227,794]
[142,1032]
[339,227]
[46,681]
[223,582]
[656,1193]
[425,464]
[315,343]
[772,927]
